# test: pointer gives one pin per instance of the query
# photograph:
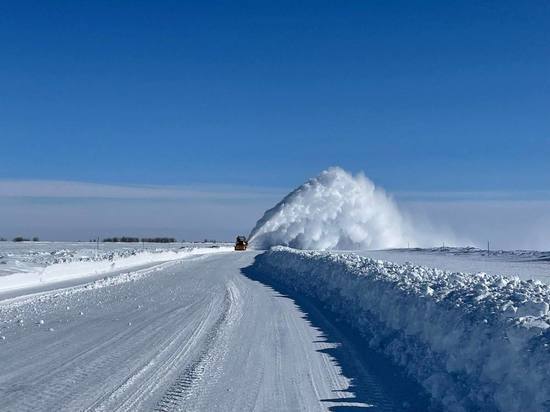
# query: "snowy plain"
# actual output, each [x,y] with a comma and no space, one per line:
[525,264]
[25,265]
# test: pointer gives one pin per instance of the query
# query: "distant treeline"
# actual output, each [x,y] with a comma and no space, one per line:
[21,239]
[128,239]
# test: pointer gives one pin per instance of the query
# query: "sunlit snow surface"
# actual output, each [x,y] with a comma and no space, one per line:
[473,341]
[31,264]
[525,264]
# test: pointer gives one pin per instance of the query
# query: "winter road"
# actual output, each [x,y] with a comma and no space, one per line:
[198,334]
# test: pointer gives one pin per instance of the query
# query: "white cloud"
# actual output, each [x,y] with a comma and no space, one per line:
[474,195]
[73,189]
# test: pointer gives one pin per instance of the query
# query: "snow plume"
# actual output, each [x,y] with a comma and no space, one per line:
[334,210]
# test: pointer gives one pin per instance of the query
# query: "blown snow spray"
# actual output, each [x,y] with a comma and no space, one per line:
[334,210]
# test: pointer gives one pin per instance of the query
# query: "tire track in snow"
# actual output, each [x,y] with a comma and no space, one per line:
[137,386]
[189,385]
[58,383]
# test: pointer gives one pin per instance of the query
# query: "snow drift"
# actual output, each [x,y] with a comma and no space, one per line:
[473,341]
[105,262]
[334,210]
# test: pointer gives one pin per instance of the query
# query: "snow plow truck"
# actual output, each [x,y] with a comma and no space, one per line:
[241,243]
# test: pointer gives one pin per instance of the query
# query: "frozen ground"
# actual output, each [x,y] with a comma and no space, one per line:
[201,333]
[526,264]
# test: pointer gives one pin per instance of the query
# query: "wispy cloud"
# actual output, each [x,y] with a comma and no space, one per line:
[68,210]
[74,189]
[478,196]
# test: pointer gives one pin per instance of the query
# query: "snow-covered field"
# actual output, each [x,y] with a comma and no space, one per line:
[525,264]
[473,341]
[36,264]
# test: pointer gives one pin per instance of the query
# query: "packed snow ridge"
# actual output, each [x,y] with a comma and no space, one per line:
[334,210]
[473,341]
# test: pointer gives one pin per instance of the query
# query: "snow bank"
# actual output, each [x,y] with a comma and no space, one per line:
[103,263]
[334,210]
[474,341]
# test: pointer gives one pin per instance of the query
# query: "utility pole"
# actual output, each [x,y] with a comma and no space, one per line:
[488,250]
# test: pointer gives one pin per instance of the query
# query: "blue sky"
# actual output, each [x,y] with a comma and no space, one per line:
[425,97]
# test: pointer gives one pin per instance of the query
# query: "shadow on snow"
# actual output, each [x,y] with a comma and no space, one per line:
[367,371]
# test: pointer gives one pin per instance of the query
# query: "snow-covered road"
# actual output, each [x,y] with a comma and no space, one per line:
[202,333]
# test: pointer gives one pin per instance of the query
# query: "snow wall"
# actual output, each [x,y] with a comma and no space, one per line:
[336,210]
[473,341]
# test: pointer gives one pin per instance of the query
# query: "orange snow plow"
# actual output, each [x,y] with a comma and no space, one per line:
[241,243]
